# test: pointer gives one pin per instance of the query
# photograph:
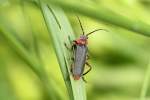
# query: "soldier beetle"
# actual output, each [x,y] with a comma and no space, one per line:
[80,54]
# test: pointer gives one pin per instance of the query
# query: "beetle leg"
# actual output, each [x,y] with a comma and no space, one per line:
[71,67]
[69,39]
[90,68]
[84,79]
[71,42]
[67,46]
[72,58]
[70,48]
[87,57]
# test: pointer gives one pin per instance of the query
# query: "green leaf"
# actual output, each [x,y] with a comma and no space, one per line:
[101,13]
[6,90]
[145,84]
[60,29]
[33,63]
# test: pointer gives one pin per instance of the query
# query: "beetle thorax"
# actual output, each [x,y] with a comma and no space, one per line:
[82,40]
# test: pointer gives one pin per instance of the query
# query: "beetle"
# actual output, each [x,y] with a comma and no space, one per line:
[80,54]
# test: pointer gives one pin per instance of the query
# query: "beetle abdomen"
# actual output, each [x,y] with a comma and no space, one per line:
[79,62]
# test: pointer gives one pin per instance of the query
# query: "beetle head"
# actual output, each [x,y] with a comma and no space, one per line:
[82,40]
[83,37]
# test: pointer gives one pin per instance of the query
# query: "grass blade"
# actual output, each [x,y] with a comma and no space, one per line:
[7,32]
[103,14]
[60,30]
[6,90]
[145,83]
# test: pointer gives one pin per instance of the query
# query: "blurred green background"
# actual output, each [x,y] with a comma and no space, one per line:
[119,57]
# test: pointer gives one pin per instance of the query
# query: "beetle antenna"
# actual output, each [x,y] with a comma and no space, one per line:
[95,31]
[81,25]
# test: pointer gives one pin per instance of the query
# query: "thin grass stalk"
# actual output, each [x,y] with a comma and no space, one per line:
[145,84]
[61,30]
[100,13]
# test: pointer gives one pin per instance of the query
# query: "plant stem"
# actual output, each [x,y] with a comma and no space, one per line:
[103,14]
[145,83]
[60,29]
